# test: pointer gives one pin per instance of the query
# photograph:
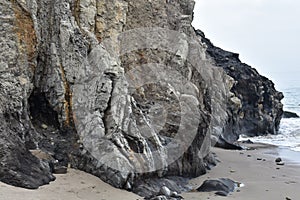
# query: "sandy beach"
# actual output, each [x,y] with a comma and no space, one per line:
[263,179]
[75,185]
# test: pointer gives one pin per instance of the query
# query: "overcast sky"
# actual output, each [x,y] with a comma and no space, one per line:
[266,34]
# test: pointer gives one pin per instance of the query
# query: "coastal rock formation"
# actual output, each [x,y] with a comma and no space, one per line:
[126,90]
[288,114]
[260,108]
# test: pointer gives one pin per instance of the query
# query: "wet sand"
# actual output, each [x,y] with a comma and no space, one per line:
[263,179]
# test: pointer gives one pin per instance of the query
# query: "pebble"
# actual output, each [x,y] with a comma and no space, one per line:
[280,163]
[165,191]
[174,194]
[44,126]
[278,160]
[259,158]
[248,155]
[128,186]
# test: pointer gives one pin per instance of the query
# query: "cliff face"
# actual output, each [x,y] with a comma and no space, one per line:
[261,109]
[123,89]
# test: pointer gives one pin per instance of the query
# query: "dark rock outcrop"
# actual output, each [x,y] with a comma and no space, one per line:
[18,166]
[152,187]
[222,143]
[288,114]
[260,108]
[125,90]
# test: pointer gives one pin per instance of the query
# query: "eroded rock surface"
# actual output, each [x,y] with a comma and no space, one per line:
[123,89]
[260,108]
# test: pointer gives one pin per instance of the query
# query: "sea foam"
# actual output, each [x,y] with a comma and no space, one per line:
[289,132]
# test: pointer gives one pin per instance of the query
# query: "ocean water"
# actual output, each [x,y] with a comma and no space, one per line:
[288,138]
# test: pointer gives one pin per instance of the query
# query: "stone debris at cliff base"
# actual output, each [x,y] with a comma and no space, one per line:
[222,186]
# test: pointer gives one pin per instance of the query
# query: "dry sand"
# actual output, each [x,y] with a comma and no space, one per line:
[75,185]
[263,180]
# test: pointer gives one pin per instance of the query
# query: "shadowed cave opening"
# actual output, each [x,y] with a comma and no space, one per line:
[56,140]
[41,111]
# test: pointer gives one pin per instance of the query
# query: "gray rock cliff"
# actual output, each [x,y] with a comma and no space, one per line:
[126,90]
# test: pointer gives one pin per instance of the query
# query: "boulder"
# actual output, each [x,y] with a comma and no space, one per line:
[222,186]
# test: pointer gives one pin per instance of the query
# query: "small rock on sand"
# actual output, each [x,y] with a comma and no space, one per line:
[280,163]
[174,194]
[165,191]
[278,160]
[222,186]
